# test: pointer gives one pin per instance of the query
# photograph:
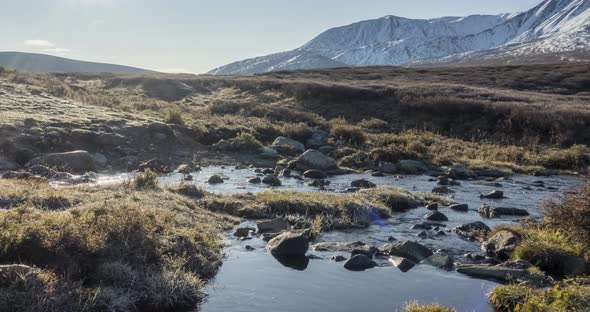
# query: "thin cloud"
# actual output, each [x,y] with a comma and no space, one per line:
[38,43]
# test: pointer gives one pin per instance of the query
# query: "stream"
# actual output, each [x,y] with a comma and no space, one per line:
[255,281]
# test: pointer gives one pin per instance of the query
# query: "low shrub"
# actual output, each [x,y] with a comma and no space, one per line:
[349,134]
[146,180]
[174,116]
[572,214]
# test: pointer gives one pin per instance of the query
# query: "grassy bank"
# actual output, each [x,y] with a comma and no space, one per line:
[478,117]
[114,248]
[550,247]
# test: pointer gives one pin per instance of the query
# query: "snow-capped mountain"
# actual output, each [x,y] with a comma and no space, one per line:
[552,27]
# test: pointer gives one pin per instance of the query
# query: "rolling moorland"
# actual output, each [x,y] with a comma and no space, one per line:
[143,246]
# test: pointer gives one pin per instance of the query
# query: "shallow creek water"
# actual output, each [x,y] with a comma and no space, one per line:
[255,281]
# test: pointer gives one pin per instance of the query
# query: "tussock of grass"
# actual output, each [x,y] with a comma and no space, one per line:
[415,307]
[572,214]
[118,249]
[147,180]
[509,298]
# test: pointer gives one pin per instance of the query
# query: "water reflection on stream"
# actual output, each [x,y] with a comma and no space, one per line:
[255,281]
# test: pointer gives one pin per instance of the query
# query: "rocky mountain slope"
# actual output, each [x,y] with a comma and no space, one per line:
[33,62]
[552,28]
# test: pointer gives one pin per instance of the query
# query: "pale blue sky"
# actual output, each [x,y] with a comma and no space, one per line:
[198,35]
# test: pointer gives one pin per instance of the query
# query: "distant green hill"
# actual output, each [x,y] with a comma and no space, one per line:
[33,62]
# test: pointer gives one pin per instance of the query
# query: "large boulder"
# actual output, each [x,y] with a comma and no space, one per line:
[268,152]
[289,244]
[272,226]
[501,244]
[411,167]
[459,207]
[318,138]
[215,179]
[359,262]
[408,249]
[475,230]
[75,162]
[282,143]
[313,159]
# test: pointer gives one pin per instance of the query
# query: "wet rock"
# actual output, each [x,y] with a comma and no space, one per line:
[341,247]
[475,230]
[510,271]
[268,171]
[493,212]
[272,226]
[318,139]
[289,244]
[215,179]
[75,162]
[352,189]
[154,165]
[442,190]
[501,245]
[447,181]
[315,174]
[403,264]
[422,235]
[242,232]
[391,239]
[255,180]
[432,206]
[313,159]
[281,143]
[338,258]
[271,180]
[362,183]
[366,252]
[440,260]
[460,173]
[411,167]
[421,226]
[459,207]
[493,195]
[268,152]
[436,216]
[285,173]
[359,263]
[386,167]
[408,249]
[249,248]
[440,233]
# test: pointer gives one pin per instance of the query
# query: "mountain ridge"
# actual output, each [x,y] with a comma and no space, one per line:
[36,62]
[551,27]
